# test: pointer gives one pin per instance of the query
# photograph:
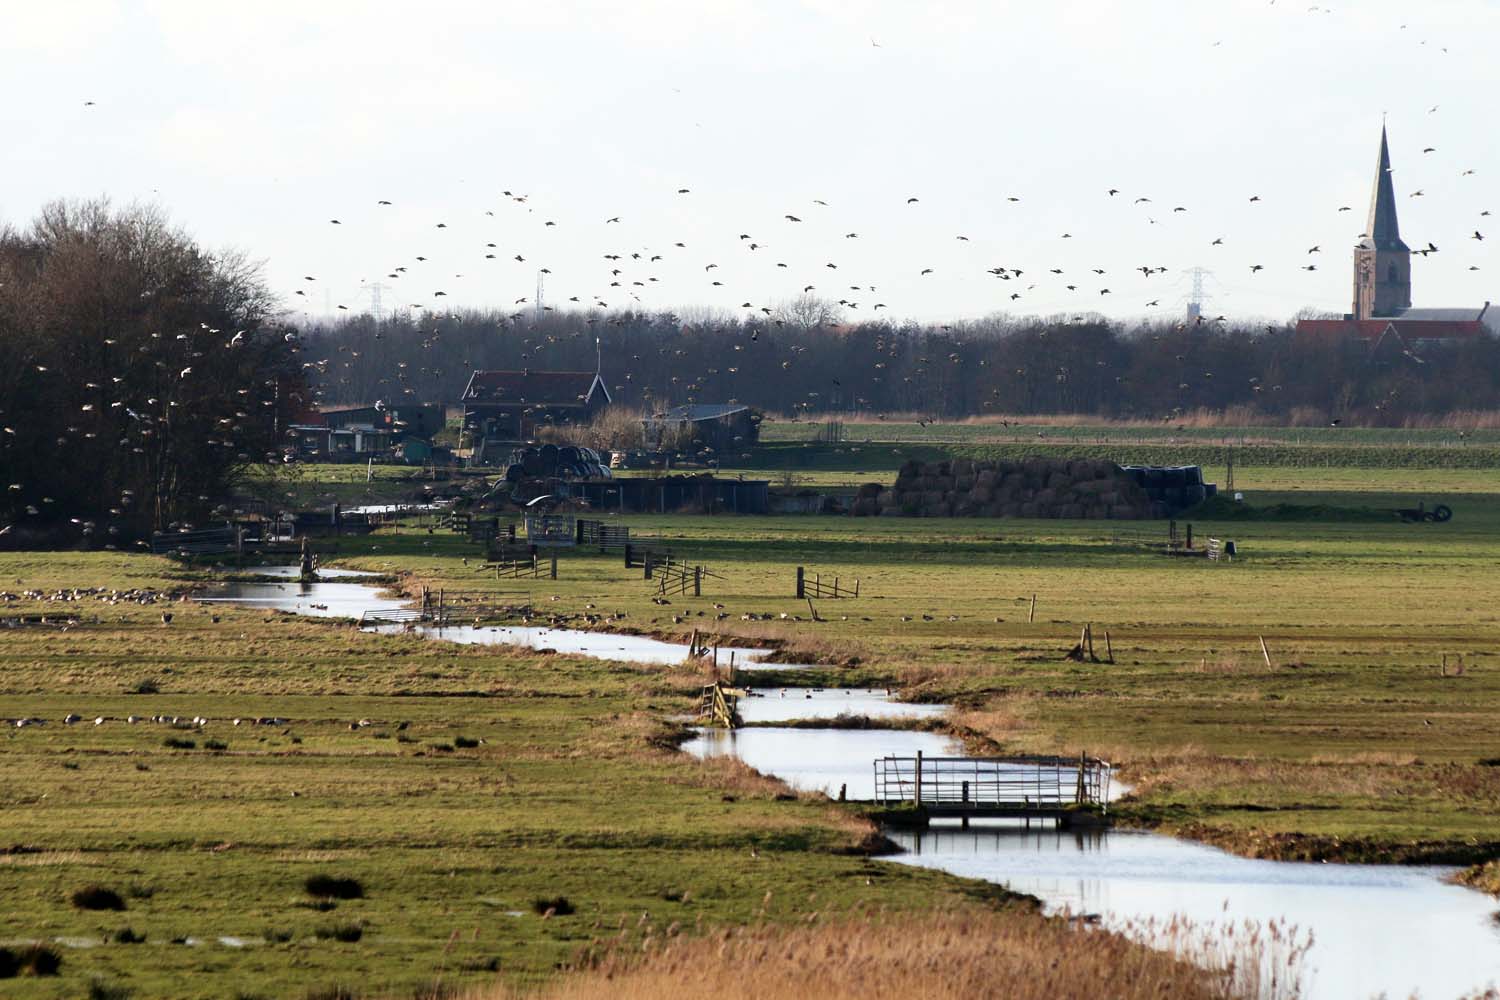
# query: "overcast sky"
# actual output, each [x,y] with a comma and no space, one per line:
[254,125]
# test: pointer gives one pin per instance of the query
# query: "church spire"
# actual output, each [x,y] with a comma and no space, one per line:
[1382,263]
[1382,232]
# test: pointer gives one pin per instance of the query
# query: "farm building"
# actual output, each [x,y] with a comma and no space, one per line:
[364,431]
[652,495]
[1383,320]
[505,408]
[724,428]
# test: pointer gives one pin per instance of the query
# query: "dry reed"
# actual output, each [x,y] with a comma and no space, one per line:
[973,953]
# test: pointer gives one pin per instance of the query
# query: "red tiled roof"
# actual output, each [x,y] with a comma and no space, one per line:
[546,388]
[1371,330]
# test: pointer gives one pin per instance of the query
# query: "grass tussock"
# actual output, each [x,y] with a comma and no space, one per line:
[325,886]
[552,906]
[345,933]
[104,989]
[1485,877]
[178,743]
[29,960]
[937,955]
[97,897]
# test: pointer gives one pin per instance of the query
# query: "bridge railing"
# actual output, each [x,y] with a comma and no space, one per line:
[1016,783]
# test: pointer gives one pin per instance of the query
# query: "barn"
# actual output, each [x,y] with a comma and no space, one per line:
[505,408]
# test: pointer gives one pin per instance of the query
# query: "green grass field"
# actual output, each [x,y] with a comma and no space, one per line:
[1351,744]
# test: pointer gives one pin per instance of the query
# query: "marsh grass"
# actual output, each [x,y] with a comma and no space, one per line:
[939,954]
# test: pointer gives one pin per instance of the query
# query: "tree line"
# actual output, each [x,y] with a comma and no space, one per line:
[143,375]
[802,360]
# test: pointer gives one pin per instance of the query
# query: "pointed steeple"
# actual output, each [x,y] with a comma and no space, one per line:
[1382,231]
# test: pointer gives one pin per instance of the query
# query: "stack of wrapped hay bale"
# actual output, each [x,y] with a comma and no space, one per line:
[1033,487]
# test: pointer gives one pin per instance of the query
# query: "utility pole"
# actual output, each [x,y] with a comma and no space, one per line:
[373,290]
[1197,297]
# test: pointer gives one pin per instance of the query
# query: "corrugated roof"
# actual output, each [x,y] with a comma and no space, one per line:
[534,387]
[700,411]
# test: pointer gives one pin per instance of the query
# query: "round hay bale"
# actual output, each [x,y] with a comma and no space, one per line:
[1029,509]
[985,477]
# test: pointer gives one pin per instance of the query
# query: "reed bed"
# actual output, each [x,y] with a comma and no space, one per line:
[971,953]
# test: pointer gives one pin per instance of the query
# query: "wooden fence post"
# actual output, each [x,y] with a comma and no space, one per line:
[554,565]
[697,581]
[1264,651]
[1109,650]
[1190,535]
[919,779]
[1031,615]
[801,583]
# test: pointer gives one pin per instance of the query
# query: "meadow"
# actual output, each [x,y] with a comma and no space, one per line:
[488,784]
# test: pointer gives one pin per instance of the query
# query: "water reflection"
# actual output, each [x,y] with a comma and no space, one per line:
[320,600]
[819,759]
[1375,928]
[784,704]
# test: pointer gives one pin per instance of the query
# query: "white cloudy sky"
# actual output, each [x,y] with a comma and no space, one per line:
[253,125]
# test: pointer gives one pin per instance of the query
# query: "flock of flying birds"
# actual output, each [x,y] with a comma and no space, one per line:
[624,273]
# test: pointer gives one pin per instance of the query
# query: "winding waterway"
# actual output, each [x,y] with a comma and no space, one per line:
[1375,929]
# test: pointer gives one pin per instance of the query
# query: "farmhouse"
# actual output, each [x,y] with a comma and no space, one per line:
[1383,319]
[504,408]
[364,431]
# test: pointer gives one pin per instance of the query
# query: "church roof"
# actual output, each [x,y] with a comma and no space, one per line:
[1465,315]
[1408,330]
[1381,230]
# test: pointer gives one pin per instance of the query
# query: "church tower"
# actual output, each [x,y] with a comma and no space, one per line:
[1382,263]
